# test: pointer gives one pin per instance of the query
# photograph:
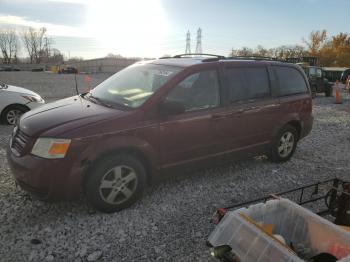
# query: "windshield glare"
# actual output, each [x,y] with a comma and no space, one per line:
[132,86]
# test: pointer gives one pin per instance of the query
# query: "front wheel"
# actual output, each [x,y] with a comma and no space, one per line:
[284,145]
[12,114]
[328,92]
[115,183]
[313,92]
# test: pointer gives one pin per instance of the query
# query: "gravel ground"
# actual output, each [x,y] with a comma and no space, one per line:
[171,222]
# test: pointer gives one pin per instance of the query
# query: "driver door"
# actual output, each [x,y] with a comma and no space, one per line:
[190,136]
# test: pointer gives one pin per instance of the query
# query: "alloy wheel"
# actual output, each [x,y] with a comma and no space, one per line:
[118,184]
[13,116]
[286,144]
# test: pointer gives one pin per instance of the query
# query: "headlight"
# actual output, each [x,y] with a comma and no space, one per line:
[51,147]
[33,98]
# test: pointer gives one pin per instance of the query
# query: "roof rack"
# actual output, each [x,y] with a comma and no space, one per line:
[266,58]
[220,57]
[165,57]
[199,54]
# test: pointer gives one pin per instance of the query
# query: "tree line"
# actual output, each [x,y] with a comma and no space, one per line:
[36,43]
[330,51]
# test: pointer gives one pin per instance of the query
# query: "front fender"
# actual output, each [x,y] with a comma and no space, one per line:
[122,144]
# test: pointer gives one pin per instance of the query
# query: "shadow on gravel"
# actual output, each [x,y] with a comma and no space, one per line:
[53,211]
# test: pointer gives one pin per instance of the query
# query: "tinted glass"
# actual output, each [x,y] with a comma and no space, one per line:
[290,81]
[319,72]
[345,75]
[133,85]
[197,91]
[248,83]
[312,71]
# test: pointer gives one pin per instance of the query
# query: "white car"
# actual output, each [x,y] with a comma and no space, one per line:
[15,101]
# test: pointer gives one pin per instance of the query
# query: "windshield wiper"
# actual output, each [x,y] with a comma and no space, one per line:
[97,100]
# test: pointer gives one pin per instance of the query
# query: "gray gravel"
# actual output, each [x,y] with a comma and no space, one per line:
[171,222]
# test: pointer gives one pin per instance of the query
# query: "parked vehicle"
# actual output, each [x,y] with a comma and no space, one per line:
[155,117]
[9,68]
[68,70]
[333,73]
[38,69]
[345,75]
[317,80]
[14,101]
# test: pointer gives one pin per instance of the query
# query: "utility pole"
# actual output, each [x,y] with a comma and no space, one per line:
[188,43]
[47,49]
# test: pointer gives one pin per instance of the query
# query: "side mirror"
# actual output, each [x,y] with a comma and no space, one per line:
[171,107]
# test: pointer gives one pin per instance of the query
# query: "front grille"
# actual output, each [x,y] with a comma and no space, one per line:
[19,142]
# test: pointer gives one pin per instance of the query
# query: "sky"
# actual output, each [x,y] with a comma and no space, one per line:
[153,28]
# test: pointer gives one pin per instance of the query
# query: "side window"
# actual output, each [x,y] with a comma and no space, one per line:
[289,80]
[247,83]
[197,91]
[318,73]
[312,71]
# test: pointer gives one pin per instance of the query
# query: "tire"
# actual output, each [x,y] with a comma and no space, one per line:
[115,183]
[313,92]
[12,113]
[283,152]
[328,92]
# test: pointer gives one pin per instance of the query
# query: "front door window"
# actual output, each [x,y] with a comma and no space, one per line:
[197,91]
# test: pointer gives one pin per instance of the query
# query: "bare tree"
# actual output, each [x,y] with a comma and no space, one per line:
[56,56]
[261,51]
[34,42]
[114,55]
[244,51]
[9,45]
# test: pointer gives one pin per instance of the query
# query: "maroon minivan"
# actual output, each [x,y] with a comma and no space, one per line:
[155,116]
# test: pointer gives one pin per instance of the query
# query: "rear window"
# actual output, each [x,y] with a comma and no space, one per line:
[290,81]
[247,83]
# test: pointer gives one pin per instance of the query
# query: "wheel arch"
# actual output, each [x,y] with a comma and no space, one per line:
[297,125]
[131,151]
[9,106]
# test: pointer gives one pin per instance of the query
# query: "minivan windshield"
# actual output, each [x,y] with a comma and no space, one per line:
[132,86]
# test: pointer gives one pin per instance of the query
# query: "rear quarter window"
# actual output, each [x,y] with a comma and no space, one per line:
[289,80]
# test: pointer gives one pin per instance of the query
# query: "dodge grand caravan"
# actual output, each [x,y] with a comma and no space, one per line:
[155,116]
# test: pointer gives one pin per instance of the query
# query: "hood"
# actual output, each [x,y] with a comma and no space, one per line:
[21,90]
[57,118]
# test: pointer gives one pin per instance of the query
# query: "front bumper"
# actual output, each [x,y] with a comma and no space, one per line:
[51,179]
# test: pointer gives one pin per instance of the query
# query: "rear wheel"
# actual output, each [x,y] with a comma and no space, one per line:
[11,114]
[284,145]
[115,183]
[328,92]
[313,91]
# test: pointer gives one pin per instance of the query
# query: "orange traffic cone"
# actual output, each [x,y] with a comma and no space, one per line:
[337,93]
